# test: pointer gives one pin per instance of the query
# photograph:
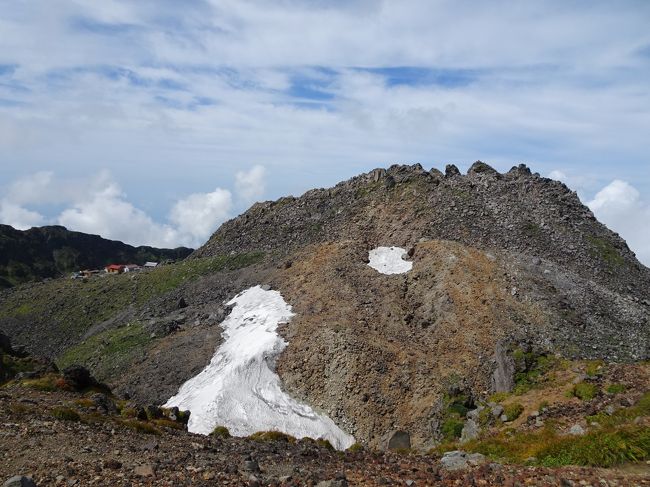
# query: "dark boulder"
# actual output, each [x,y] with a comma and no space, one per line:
[451,171]
[79,377]
[399,440]
[479,167]
[19,481]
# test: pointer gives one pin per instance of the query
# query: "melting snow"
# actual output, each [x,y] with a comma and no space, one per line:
[239,389]
[389,260]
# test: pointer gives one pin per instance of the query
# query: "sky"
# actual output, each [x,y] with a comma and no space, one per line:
[152,122]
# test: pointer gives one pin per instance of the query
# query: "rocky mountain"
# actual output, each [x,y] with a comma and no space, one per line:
[510,272]
[51,251]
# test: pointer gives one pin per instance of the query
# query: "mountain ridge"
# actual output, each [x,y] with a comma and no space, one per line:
[50,251]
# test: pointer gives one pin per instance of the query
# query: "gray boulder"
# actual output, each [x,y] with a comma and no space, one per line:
[470,431]
[19,481]
[458,460]
[399,440]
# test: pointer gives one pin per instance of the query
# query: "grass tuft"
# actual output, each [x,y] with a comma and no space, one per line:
[66,414]
[220,432]
[272,436]
[140,426]
[512,411]
[585,391]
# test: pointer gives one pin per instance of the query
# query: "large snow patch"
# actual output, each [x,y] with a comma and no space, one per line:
[239,389]
[389,260]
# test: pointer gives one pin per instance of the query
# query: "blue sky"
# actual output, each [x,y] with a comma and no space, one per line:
[172,113]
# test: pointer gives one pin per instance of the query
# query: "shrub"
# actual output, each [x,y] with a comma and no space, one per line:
[220,432]
[585,391]
[452,428]
[594,368]
[272,436]
[512,411]
[129,412]
[65,414]
[485,416]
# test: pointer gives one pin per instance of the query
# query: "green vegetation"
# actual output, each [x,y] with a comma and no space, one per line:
[46,383]
[623,415]
[455,407]
[512,411]
[110,350]
[604,250]
[594,368]
[498,397]
[272,436]
[10,366]
[615,388]
[128,412]
[66,414]
[452,428]
[603,448]
[48,252]
[532,370]
[220,432]
[140,426]
[585,391]
[599,449]
[72,306]
[355,448]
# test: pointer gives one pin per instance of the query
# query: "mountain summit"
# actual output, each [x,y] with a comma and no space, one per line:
[408,288]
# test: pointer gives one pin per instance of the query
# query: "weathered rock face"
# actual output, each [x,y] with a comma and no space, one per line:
[503,377]
[518,211]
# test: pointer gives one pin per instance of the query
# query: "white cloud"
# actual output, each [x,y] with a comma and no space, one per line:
[109,214]
[250,184]
[199,214]
[98,205]
[19,217]
[619,206]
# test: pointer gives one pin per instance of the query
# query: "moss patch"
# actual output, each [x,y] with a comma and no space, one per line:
[585,391]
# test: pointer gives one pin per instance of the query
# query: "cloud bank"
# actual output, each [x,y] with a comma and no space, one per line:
[619,206]
[99,206]
[179,93]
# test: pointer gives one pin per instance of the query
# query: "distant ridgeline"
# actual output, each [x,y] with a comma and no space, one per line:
[51,251]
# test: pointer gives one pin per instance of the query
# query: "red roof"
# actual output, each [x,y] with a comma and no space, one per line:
[116,267]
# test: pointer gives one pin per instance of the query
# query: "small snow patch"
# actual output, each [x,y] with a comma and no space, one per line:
[239,389]
[389,260]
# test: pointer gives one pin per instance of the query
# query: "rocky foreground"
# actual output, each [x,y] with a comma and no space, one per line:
[68,438]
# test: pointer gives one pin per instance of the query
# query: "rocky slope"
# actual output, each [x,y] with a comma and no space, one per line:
[42,252]
[503,265]
[59,434]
